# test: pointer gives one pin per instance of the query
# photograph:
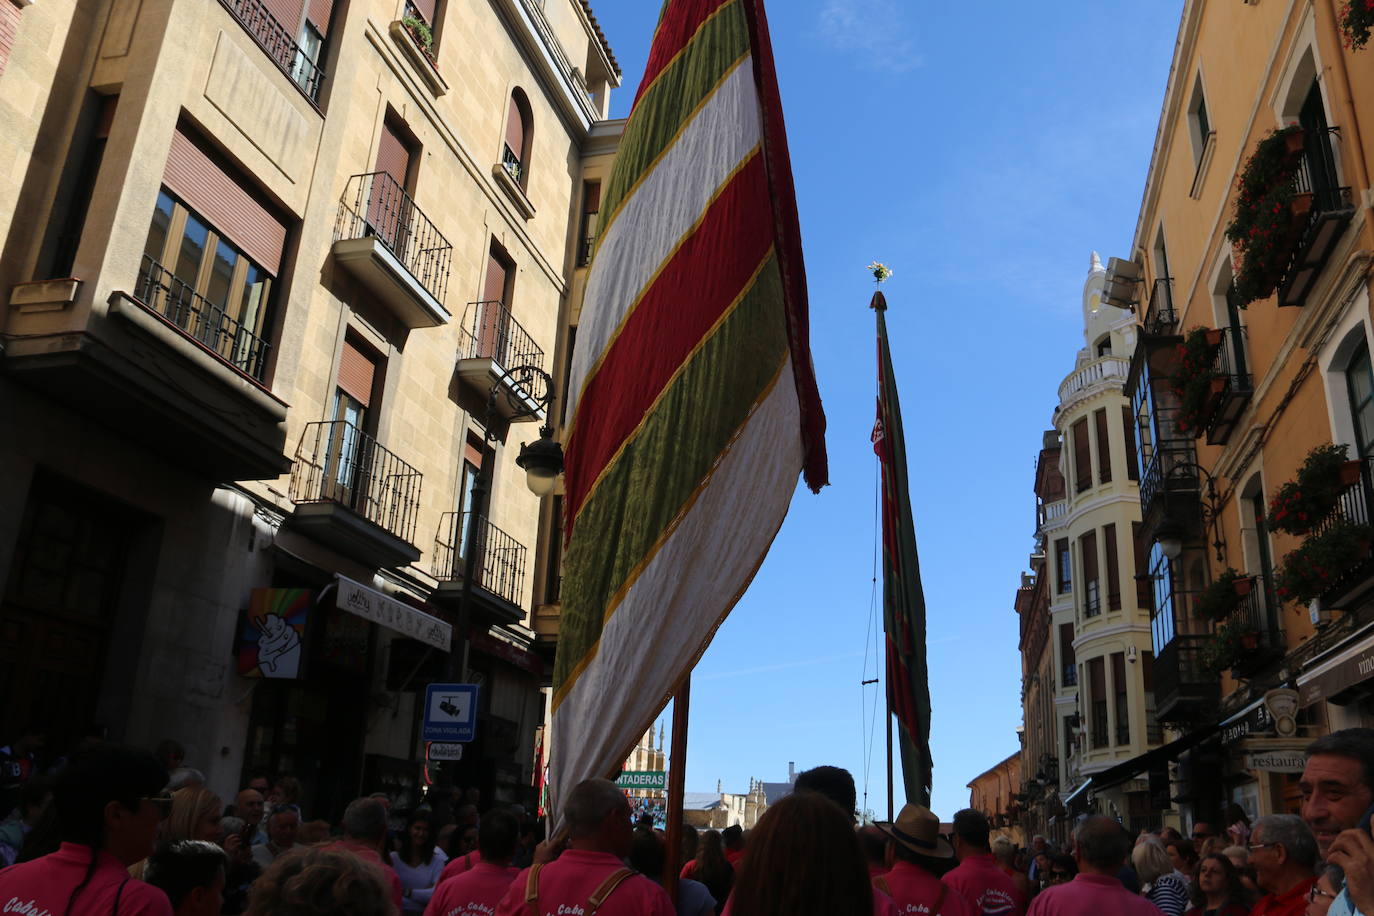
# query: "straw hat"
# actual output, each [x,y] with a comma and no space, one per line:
[918,830]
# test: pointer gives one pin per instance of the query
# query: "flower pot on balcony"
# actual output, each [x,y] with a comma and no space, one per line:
[1214,336]
[1350,473]
[1243,586]
[1293,145]
[1301,207]
[1249,641]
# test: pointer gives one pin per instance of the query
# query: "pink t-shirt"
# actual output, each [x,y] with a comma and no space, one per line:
[45,885]
[987,887]
[459,865]
[475,892]
[916,891]
[569,881]
[368,854]
[1089,895]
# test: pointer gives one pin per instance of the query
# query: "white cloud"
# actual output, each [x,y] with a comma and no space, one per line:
[877,30]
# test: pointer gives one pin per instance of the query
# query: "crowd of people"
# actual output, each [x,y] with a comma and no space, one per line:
[116,831]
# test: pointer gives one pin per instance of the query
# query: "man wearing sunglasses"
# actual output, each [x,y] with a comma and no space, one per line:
[109,803]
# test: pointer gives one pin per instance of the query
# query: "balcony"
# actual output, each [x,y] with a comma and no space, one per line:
[498,579]
[1169,489]
[1331,208]
[355,496]
[1185,691]
[160,367]
[1257,612]
[280,45]
[585,246]
[1103,372]
[390,246]
[1354,505]
[494,348]
[1160,318]
[1232,386]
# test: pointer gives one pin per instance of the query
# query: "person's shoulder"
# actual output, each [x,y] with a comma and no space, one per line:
[140,899]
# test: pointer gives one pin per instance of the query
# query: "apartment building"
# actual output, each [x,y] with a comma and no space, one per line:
[284,285]
[1253,353]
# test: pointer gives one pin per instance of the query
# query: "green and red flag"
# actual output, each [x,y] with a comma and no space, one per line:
[694,399]
[904,603]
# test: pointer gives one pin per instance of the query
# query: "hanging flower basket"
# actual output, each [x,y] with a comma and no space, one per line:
[1218,600]
[1267,226]
[1350,473]
[1356,21]
[1299,505]
[1195,381]
[1323,558]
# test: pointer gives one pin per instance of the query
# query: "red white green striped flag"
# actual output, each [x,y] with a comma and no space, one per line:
[695,401]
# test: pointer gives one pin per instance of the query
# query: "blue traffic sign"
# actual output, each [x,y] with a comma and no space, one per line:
[450,712]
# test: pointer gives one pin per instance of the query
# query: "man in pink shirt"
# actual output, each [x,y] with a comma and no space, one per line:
[364,831]
[977,877]
[1100,848]
[477,890]
[919,855]
[109,803]
[590,877]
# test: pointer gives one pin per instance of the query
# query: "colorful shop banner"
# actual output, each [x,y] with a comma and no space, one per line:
[272,638]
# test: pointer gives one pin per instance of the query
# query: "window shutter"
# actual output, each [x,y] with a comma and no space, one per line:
[1113,564]
[1144,594]
[494,288]
[1104,446]
[1063,568]
[393,155]
[515,130]
[425,8]
[357,370]
[287,13]
[319,14]
[1097,680]
[591,197]
[226,203]
[1082,456]
[1128,429]
[1091,589]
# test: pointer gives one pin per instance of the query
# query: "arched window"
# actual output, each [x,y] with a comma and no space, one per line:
[516,147]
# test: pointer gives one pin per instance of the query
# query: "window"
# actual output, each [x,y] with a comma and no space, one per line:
[1097,697]
[1200,125]
[213,291]
[1162,624]
[1144,593]
[1113,564]
[515,151]
[1122,705]
[1154,733]
[1104,346]
[67,219]
[1064,566]
[1359,384]
[492,332]
[1128,430]
[1092,598]
[305,69]
[426,11]
[1104,446]
[474,457]
[1067,661]
[586,234]
[390,212]
[1082,456]
[347,464]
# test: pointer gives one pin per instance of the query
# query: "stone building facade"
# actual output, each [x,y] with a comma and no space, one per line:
[267,266]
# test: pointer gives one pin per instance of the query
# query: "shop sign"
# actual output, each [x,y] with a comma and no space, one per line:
[499,648]
[272,638]
[372,605]
[1334,678]
[1276,761]
[643,779]
[444,750]
[1253,723]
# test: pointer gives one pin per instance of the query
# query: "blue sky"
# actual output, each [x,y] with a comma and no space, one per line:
[982,151]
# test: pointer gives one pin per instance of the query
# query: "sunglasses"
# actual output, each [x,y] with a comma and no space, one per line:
[1316,892]
[162,801]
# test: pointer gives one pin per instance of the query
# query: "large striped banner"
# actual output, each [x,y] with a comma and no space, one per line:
[694,400]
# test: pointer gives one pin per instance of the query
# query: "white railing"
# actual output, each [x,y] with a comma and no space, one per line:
[1104,367]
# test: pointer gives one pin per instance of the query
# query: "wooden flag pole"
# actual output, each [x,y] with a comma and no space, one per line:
[677,784]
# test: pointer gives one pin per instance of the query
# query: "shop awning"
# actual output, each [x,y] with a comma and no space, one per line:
[386,611]
[1146,761]
[1338,673]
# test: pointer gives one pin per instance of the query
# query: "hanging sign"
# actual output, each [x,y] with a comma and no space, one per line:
[372,605]
[643,779]
[272,638]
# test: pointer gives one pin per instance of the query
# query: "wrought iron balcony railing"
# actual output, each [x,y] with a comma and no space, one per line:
[1185,691]
[1172,469]
[163,292]
[512,164]
[491,332]
[1232,373]
[584,250]
[1099,736]
[500,558]
[280,45]
[1257,613]
[374,205]
[1160,318]
[339,463]
[1332,207]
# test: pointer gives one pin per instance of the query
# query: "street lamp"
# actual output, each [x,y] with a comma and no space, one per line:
[542,460]
[1170,540]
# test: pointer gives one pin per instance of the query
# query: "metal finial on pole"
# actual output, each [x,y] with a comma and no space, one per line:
[880,272]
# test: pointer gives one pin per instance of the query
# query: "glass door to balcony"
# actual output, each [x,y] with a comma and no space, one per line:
[1266,561]
[1359,381]
[344,463]
[1321,161]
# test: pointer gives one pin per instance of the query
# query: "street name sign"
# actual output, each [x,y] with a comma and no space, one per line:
[450,712]
[643,779]
[444,750]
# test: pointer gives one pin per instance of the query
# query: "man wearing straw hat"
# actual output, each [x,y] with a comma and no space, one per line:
[920,855]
